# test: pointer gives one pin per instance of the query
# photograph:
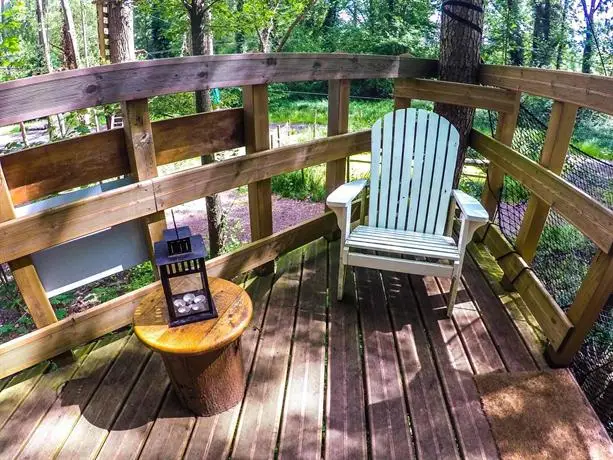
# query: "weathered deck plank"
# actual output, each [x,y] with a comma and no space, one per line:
[62,416]
[212,436]
[17,389]
[96,419]
[433,431]
[129,432]
[258,426]
[345,410]
[387,414]
[480,349]
[171,431]
[25,419]
[472,428]
[301,434]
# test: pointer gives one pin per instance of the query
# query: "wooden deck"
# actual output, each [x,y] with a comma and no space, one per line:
[383,375]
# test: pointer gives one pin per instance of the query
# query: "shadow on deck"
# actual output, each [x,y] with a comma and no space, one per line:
[384,374]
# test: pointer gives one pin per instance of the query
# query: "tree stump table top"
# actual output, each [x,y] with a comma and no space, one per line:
[234,310]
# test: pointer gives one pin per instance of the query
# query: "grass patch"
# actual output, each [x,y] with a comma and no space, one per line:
[308,183]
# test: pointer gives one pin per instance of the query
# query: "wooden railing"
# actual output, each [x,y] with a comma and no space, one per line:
[141,146]
[565,331]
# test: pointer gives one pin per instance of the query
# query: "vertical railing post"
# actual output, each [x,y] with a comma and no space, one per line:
[255,105]
[505,129]
[338,123]
[400,102]
[557,140]
[594,292]
[23,270]
[143,164]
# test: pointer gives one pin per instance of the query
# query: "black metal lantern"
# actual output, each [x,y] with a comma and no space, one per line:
[182,254]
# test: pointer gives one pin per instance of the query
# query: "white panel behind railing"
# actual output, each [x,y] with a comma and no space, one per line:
[83,260]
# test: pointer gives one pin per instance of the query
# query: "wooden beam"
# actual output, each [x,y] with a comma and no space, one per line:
[481,97]
[559,133]
[592,296]
[549,315]
[29,98]
[29,234]
[338,123]
[43,170]
[592,91]
[141,153]
[505,130]
[257,139]
[45,343]
[580,209]
[23,270]
[26,235]
[205,180]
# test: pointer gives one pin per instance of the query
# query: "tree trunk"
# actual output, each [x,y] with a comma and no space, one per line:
[542,43]
[202,44]
[516,51]
[588,51]
[69,37]
[121,30]
[459,62]
[239,36]
[562,34]
[84,35]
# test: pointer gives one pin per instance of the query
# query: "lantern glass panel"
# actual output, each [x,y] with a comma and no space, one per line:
[183,254]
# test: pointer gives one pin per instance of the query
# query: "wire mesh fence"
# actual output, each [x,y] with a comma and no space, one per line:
[563,254]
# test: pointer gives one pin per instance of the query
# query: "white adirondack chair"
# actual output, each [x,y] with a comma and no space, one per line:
[411,203]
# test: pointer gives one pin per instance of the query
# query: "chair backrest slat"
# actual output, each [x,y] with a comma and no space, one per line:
[413,159]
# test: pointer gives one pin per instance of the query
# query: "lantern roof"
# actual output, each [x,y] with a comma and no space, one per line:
[161,247]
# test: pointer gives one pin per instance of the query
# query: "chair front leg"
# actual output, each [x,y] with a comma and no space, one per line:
[343,215]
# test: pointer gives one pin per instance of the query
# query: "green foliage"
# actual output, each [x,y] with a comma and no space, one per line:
[472,186]
[139,276]
[308,183]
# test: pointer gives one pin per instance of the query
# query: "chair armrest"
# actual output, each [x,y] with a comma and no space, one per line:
[345,194]
[471,208]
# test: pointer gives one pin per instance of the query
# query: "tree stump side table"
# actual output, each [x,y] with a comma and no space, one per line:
[203,359]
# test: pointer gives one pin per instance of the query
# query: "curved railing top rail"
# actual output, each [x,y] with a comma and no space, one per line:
[43,95]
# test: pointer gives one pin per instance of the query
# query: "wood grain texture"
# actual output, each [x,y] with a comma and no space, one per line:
[17,389]
[213,178]
[387,412]
[482,97]
[590,300]
[26,418]
[133,424]
[34,97]
[477,341]
[257,431]
[234,310]
[301,434]
[338,123]
[90,432]
[212,436]
[82,327]
[474,435]
[44,229]
[550,316]
[584,212]
[43,170]
[346,433]
[59,420]
[430,421]
[557,140]
[23,270]
[591,91]
[505,131]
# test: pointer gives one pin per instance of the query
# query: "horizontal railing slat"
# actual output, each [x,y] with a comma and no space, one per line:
[581,210]
[483,97]
[592,91]
[34,97]
[47,342]
[51,168]
[38,231]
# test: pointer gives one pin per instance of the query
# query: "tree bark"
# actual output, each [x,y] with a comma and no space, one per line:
[239,36]
[562,34]
[69,37]
[516,51]
[459,62]
[121,30]
[202,44]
